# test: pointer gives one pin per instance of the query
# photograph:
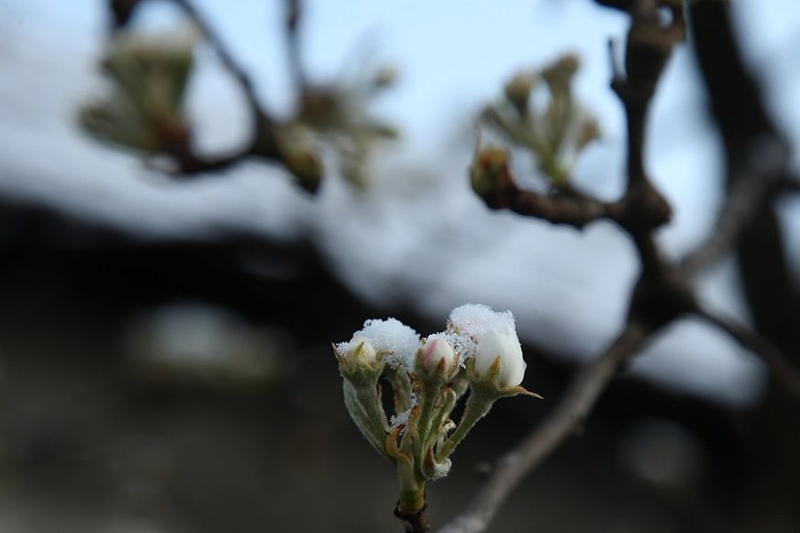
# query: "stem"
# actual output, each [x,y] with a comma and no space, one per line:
[412,500]
[414,522]
[478,404]
[402,387]
[448,402]
[432,393]
[363,404]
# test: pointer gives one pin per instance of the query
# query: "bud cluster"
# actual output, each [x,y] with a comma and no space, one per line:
[339,113]
[556,132]
[149,78]
[478,352]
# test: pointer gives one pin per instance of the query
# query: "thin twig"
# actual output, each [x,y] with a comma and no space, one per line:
[779,365]
[763,170]
[575,406]
[294,13]
[493,180]
[222,52]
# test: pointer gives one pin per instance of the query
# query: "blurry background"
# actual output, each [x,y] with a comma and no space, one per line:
[165,360]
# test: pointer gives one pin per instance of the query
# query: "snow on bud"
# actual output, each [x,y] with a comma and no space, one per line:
[502,344]
[359,361]
[359,351]
[436,357]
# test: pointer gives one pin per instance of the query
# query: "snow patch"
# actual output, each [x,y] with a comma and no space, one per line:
[393,340]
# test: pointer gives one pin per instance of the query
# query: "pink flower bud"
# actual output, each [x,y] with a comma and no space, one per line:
[436,355]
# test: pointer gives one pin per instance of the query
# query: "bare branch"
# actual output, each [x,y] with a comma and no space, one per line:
[780,366]
[642,209]
[574,407]
[294,13]
[649,46]
[493,181]
[762,171]
[221,50]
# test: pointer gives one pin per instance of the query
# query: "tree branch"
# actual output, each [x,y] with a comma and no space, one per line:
[222,52]
[781,368]
[763,172]
[294,13]
[574,407]
[660,295]
[271,139]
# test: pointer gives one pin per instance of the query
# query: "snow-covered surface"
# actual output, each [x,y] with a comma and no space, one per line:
[391,338]
[416,236]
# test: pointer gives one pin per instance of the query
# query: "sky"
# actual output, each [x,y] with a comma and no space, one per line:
[418,230]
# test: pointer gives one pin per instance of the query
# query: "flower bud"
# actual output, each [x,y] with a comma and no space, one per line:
[298,155]
[518,91]
[306,166]
[386,76]
[437,358]
[589,131]
[500,344]
[559,74]
[490,171]
[358,358]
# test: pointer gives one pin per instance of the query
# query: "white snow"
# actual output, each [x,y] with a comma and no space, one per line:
[397,342]
[474,319]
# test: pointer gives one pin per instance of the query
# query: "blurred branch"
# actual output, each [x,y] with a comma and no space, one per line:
[270,139]
[739,110]
[758,160]
[264,142]
[780,367]
[294,12]
[574,407]
[121,12]
[663,292]
[642,209]
[639,212]
[649,46]
[762,173]
[493,181]
[660,296]
[756,157]
[222,52]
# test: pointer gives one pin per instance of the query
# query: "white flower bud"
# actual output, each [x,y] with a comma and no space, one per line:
[500,343]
